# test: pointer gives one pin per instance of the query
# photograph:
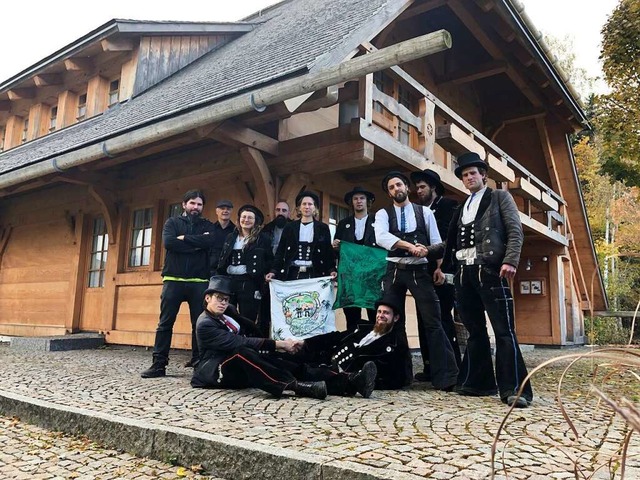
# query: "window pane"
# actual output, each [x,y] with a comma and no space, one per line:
[146,255]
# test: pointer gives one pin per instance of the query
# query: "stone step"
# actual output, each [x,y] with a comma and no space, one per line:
[76,341]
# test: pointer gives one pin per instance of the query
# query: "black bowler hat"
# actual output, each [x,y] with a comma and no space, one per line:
[220,284]
[469,159]
[256,211]
[349,195]
[307,193]
[389,301]
[394,174]
[430,177]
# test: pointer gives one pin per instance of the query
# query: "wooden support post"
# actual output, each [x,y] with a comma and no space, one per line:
[4,240]
[108,205]
[427,139]
[365,98]
[264,197]
[72,320]
[292,186]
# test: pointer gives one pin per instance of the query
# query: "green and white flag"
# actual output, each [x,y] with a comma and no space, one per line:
[360,273]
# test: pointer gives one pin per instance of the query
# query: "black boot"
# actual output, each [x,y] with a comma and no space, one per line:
[157,369]
[311,389]
[364,381]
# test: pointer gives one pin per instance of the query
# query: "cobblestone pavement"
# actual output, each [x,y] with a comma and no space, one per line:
[32,453]
[418,430]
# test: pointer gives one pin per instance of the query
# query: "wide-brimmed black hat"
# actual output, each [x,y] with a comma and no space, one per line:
[307,193]
[430,177]
[220,284]
[469,159]
[349,195]
[389,301]
[394,174]
[256,211]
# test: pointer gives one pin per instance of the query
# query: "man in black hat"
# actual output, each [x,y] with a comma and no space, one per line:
[486,237]
[357,228]
[275,227]
[430,190]
[305,246]
[349,351]
[187,240]
[410,233]
[231,358]
[222,228]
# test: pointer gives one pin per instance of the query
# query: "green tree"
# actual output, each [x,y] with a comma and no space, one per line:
[618,112]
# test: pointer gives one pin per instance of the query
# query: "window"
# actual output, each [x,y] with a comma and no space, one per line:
[82,107]
[404,133]
[175,210]
[379,80]
[98,259]
[140,249]
[404,130]
[114,92]
[25,131]
[52,118]
[336,213]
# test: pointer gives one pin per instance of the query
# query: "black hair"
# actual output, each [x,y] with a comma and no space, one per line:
[191,194]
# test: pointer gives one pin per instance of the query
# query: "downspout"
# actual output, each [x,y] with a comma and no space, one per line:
[255,100]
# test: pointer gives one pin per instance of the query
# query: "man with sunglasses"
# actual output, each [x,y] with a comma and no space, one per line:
[232,358]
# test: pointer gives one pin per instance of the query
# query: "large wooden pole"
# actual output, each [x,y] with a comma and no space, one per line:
[352,69]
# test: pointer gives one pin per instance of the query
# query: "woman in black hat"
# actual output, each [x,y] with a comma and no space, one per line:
[246,257]
[305,246]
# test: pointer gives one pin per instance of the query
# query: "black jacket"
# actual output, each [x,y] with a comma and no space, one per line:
[321,256]
[216,343]
[338,349]
[188,258]
[220,236]
[256,256]
[497,230]
[346,230]
[443,209]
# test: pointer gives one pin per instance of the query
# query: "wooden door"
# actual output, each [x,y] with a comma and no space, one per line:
[96,239]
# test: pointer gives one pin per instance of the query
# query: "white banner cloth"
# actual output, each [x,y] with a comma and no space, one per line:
[302,308]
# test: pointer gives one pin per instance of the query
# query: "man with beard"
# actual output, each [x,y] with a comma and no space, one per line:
[222,228]
[429,190]
[275,227]
[233,358]
[410,233]
[185,275]
[357,228]
[379,343]
[486,236]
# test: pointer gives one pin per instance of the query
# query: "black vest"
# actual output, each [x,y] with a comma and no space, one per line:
[466,234]
[419,235]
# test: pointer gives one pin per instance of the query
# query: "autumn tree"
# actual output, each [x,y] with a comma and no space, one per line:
[618,112]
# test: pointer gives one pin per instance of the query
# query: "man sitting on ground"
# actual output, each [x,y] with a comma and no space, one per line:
[230,359]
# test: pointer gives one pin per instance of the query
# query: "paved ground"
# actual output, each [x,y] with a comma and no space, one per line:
[33,453]
[403,434]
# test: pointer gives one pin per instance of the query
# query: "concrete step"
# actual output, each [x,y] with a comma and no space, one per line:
[76,341]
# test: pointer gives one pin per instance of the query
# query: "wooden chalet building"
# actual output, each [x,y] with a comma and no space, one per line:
[99,141]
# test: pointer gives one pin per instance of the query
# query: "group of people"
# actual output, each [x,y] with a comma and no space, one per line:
[441,252]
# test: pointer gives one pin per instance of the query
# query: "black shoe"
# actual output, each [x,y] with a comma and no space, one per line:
[311,390]
[191,363]
[422,377]
[472,392]
[156,370]
[519,402]
[364,381]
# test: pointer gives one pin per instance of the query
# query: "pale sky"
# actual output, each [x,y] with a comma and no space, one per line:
[28,36]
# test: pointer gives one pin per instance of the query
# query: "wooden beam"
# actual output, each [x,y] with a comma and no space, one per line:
[476,72]
[499,170]
[5,106]
[396,108]
[293,185]
[525,189]
[427,141]
[4,240]
[47,79]
[78,64]
[419,8]
[485,5]
[265,194]
[76,287]
[325,159]
[232,133]
[21,94]
[107,202]
[455,140]
[478,31]
[116,45]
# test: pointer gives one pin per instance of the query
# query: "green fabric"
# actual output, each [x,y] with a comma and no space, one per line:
[178,279]
[360,273]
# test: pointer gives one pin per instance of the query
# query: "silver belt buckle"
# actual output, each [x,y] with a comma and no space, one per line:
[302,269]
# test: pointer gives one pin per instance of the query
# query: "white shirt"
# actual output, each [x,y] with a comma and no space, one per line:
[470,207]
[387,240]
[368,338]
[238,269]
[306,235]
[360,223]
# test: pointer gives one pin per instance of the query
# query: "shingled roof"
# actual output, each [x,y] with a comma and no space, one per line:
[291,38]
